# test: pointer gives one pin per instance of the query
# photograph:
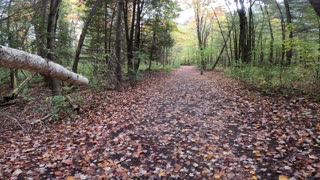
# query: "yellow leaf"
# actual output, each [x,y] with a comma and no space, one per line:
[217,176]
[208,156]
[252,172]
[256,152]
[282,177]
[162,174]
[254,178]
[70,178]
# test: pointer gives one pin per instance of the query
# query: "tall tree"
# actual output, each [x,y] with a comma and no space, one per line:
[118,70]
[13,72]
[140,6]
[83,35]
[51,31]
[129,30]
[243,46]
[289,49]
[251,33]
[271,34]
[201,17]
[283,32]
[40,26]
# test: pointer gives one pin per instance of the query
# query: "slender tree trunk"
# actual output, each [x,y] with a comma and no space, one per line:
[236,47]
[289,23]
[140,5]
[83,35]
[106,48]
[234,35]
[13,72]
[271,35]
[111,27]
[118,70]
[51,30]
[43,36]
[129,36]
[250,33]
[40,27]
[152,49]
[283,32]
[221,31]
[260,38]
[200,34]
[1,34]
[221,52]
[318,72]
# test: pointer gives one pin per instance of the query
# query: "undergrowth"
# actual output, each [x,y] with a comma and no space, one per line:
[289,80]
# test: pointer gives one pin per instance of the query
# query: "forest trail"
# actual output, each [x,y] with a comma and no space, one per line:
[174,125]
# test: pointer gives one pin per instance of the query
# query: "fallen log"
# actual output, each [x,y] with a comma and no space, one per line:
[17,59]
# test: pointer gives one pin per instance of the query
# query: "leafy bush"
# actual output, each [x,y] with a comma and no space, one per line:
[59,106]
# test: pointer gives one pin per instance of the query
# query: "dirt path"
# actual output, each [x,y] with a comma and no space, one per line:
[180,125]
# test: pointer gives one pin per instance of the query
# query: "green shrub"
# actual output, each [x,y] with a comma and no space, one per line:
[271,78]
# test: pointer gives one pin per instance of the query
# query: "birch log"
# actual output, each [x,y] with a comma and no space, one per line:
[13,58]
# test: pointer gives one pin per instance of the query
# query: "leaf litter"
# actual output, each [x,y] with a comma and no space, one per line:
[177,125]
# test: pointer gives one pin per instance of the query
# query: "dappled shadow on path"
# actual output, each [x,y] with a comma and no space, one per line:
[173,125]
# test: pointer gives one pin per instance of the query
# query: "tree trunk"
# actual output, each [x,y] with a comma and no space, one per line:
[111,26]
[220,54]
[83,35]
[271,35]
[243,31]
[41,27]
[13,72]
[316,6]
[318,71]
[13,58]
[118,71]
[260,38]
[283,32]
[250,39]
[51,30]
[152,49]
[224,39]
[140,5]
[129,36]
[106,48]
[236,47]
[289,23]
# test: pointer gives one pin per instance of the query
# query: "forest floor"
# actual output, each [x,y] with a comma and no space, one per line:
[173,125]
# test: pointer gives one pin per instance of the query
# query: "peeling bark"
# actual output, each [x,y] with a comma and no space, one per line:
[13,58]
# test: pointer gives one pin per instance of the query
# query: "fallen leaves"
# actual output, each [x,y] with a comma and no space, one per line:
[58,173]
[282,177]
[68,162]
[162,174]
[178,125]
[17,172]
